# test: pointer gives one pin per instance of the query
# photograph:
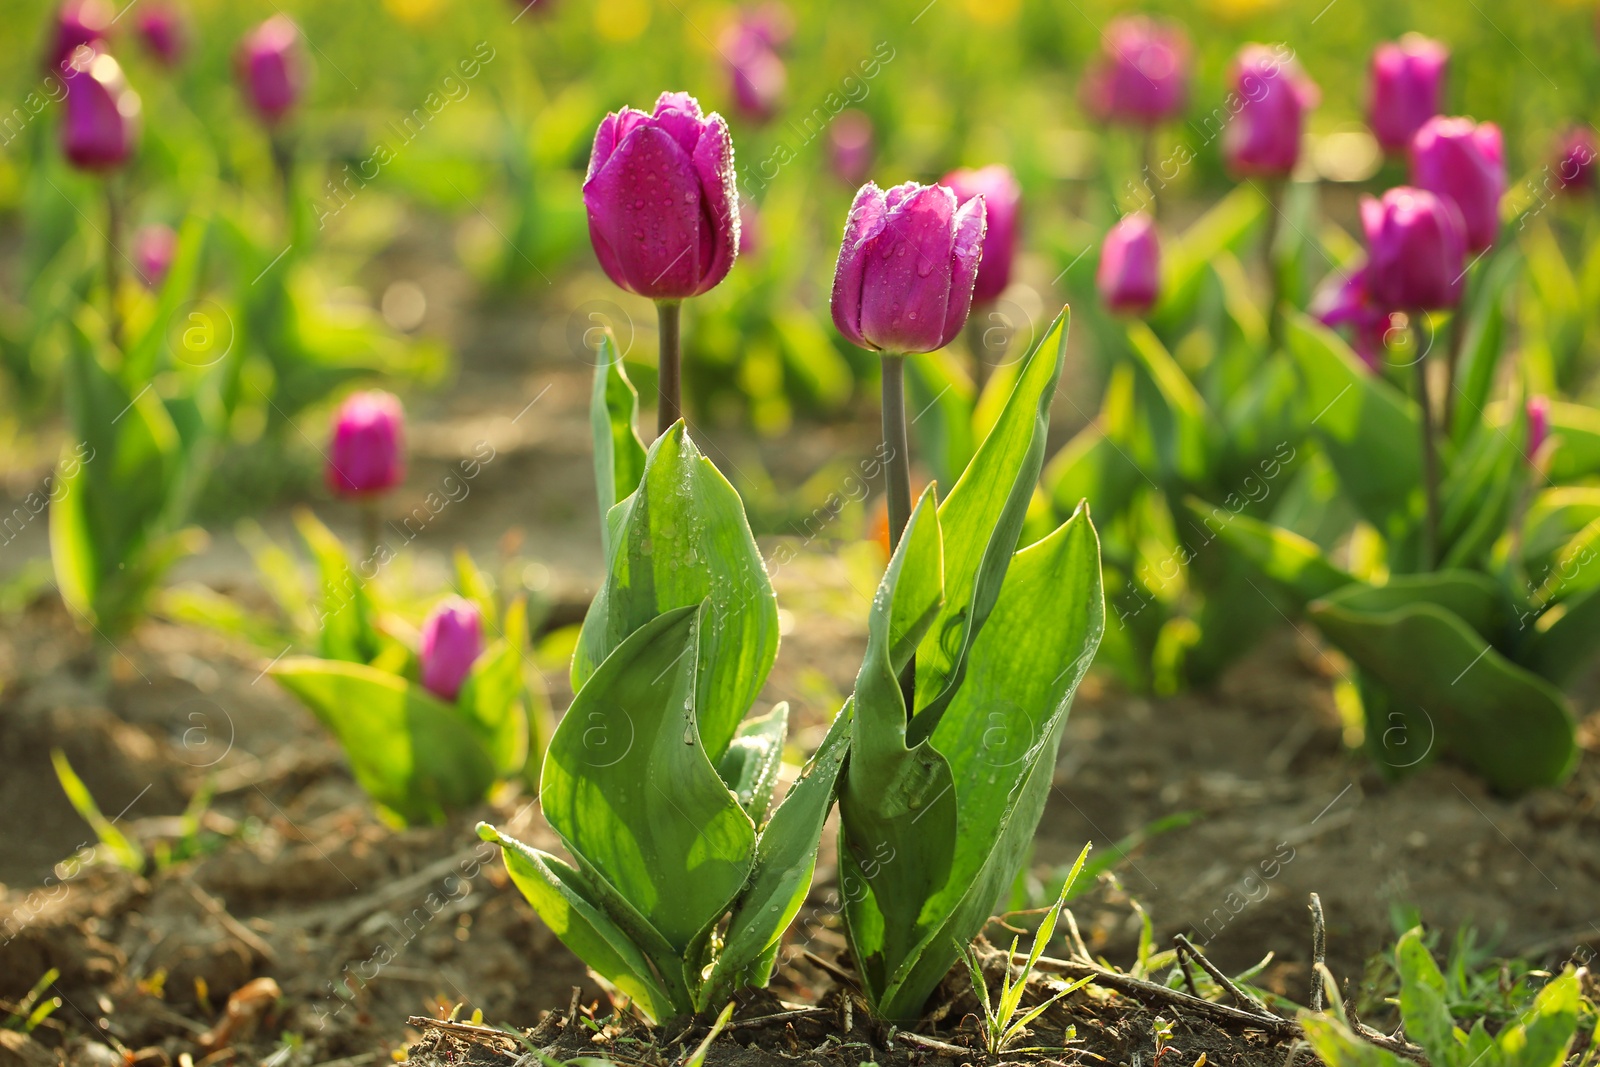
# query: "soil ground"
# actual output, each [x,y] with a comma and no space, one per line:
[360,927]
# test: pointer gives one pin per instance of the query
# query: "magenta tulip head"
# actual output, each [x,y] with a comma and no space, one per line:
[1141,76]
[1406,89]
[78,23]
[906,267]
[850,147]
[1538,411]
[272,69]
[662,201]
[1416,250]
[1129,275]
[101,124]
[153,248]
[163,31]
[452,641]
[1463,161]
[1575,172]
[1270,100]
[1002,204]
[756,74]
[367,452]
[1346,300]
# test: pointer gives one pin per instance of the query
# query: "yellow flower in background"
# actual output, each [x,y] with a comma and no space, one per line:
[413,12]
[1240,9]
[993,12]
[621,20]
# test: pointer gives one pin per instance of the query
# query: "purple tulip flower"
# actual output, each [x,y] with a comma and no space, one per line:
[850,146]
[1576,170]
[452,641]
[1002,202]
[101,124]
[1141,76]
[367,452]
[906,267]
[1465,162]
[153,248]
[78,23]
[1538,410]
[1407,88]
[163,31]
[1416,250]
[1272,96]
[271,67]
[1346,300]
[756,74]
[1129,275]
[662,201]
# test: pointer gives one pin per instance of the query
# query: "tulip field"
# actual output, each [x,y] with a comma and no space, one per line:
[746,532]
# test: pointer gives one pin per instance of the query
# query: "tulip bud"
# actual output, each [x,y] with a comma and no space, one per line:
[78,23]
[1141,75]
[906,267]
[1407,88]
[1416,250]
[452,640]
[756,75]
[367,452]
[662,202]
[850,148]
[1002,201]
[1538,410]
[1346,300]
[1463,161]
[1576,170]
[163,32]
[271,67]
[101,125]
[1272,96]
[1129,276]
[153,249]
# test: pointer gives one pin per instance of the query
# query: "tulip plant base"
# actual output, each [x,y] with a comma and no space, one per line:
[767,1031]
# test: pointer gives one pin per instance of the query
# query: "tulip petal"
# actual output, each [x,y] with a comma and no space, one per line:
[861,230]
[910,261]
[719,227]
[679,114]
[966,258]
[644,216]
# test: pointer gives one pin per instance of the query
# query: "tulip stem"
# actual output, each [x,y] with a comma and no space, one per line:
[975,345]
[1458,333]
[1430,461]
[669,405]
[283,163]
[1147,158]
[898,463]
[1275,191]
[371,526]
[113,268]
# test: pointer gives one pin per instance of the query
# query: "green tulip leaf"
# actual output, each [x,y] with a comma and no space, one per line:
[1507,724]
[1480,490]
[1338,1046]
[1484,344]
[750,766]
[1563,639]
[1295,565]
[412,754]
[345,615]
[679,539]
[563,898]
[1575,429]
[1554,518]
[630,787]
[1472,597]
[1423,999]
[1368,430]
[982,520]
[613,416]
[1092,467]
[1171,418]
[786,857]
[998,745]
[1186,261]
[492,700]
